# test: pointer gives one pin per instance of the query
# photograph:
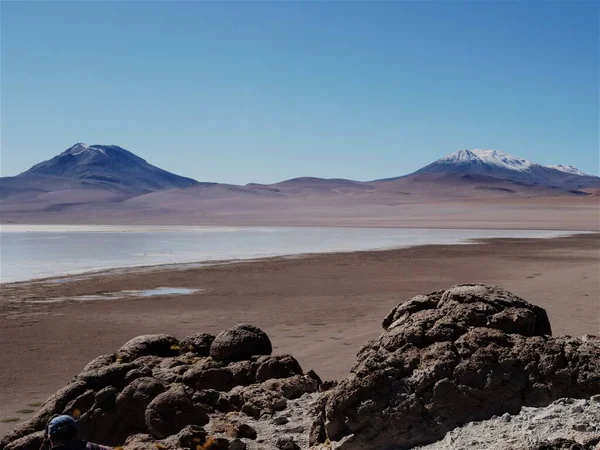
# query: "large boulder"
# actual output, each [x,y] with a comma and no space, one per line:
[240,342]
[292,387]
[218,376]
[281,366]
[452,357]
[149,344]
[172,410]
[198,343]
[134,399]
[112,374]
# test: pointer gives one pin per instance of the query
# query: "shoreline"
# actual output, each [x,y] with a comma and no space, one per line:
[319,307]
[184,265]
[284,224]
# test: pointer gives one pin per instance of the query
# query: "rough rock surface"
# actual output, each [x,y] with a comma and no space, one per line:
[157,392]
[452,357]
[564,424]
[198,343]
[150,344]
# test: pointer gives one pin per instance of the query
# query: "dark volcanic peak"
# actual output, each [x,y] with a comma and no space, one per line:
[108,164]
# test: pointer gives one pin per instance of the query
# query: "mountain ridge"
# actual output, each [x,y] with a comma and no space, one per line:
[107,183]
[114,164]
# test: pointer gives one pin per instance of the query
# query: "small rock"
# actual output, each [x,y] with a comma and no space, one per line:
[312,374]
[246,431]
[286,443]
[219,444]
[581,426]
[280,420]
[327,385]
[233,428]
[236,444]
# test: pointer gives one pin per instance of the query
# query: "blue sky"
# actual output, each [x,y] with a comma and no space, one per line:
[263,91]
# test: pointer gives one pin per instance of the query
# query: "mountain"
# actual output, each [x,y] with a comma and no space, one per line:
[109,165]
[493,165]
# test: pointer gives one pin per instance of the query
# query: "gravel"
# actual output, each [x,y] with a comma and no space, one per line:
[578,420]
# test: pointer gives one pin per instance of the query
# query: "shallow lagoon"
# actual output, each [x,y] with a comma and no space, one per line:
[36,251]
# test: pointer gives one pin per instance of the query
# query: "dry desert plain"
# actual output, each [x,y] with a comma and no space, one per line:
[405,203]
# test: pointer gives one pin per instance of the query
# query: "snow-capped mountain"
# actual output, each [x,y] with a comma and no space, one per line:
[499,159]
[107,165]
[504,166]
[485,158]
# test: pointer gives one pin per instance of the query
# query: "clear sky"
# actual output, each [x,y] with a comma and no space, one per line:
[264,91]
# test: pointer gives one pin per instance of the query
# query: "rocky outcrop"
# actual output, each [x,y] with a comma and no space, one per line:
[452,357]
[470,353]
[158,392]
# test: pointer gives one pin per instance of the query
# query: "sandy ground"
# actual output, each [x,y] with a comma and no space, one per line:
[320,210]
[320,308]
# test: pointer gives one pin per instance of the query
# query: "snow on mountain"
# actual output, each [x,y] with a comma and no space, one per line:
[80,148]
[570,169]
[495,160]
[503,160]
[490,157]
